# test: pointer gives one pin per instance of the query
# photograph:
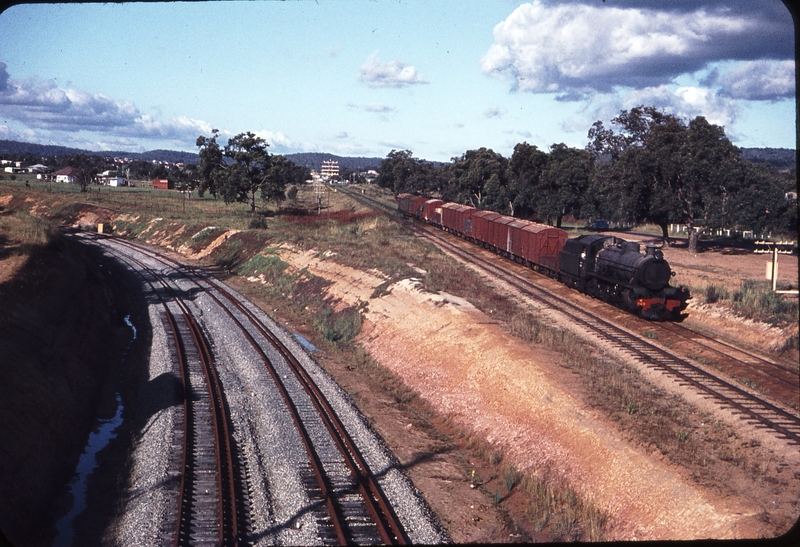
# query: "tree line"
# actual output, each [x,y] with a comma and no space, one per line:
[651,167]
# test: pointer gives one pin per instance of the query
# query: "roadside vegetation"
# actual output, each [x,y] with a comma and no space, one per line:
[362,239]
[753,300]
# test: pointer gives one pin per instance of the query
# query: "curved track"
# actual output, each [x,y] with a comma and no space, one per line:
[784,423]
[212,505]
[349,503]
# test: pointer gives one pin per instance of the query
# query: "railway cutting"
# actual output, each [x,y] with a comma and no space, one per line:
[226,481]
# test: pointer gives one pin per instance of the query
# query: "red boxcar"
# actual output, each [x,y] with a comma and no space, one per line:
[410,204]
[498,232]
[479,225]
[417,203]
[517,238]
[404,203]
[432,211]
[455,215]
[544,244]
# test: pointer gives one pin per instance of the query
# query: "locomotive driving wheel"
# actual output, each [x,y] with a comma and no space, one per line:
[629,300]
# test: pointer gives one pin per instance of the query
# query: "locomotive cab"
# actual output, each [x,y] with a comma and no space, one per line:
[576,260]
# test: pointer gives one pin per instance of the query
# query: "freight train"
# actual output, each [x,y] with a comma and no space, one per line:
[605,267]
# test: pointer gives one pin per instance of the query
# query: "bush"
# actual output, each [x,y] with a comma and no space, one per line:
[258,222]
[342,326]
[756,300]
[713,293]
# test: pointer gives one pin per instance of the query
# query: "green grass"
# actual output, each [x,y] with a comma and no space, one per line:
[756,300]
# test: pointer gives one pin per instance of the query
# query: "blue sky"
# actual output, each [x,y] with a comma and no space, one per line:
[360,78]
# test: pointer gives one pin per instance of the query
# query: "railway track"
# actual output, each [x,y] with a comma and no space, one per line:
[750,407]
[757,364]
[347,500]
[212,504]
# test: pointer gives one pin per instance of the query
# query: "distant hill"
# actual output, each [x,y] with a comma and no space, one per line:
[313,160]
[780,158]
[8,148]
[310,160]
[784,159]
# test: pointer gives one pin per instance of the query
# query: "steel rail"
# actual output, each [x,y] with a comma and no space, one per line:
[756,409]
[228,529]
[376,502]
[383,516]
[782,372]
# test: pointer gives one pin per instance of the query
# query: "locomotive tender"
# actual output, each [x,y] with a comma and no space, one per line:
[605,267]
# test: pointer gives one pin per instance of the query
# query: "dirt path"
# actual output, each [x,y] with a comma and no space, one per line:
[467,367]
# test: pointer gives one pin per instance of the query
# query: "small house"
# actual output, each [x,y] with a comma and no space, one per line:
[115,181]
[66,175]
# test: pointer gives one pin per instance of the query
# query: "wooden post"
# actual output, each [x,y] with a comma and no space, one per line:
[774,268]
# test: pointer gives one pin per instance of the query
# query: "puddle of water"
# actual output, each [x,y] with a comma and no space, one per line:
[98,439]
[305,343]
[131,325]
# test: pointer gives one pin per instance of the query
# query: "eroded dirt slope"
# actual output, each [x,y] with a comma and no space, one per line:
[467,367]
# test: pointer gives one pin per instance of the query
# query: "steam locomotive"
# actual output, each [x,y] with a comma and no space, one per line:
[605,267]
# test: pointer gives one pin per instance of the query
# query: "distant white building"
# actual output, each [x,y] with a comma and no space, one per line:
[66,175]
[371,175]
[330,169]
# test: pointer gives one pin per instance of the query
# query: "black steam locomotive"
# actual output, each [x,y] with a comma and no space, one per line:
[615,270]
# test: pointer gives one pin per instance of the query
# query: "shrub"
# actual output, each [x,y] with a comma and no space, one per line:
[258,222]
[756,300]
[340,327]
[714,293]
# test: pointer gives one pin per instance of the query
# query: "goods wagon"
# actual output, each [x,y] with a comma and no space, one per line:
[409,204]
[404,203]
[542,245]
[480,225]
[498,233]
[455,218]
[432,211]
[517,239]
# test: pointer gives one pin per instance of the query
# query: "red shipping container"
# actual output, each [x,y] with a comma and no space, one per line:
[163,184]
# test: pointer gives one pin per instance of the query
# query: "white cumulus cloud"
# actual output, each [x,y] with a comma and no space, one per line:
[394,74]
[575,49]
[763,80]
[43,105]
